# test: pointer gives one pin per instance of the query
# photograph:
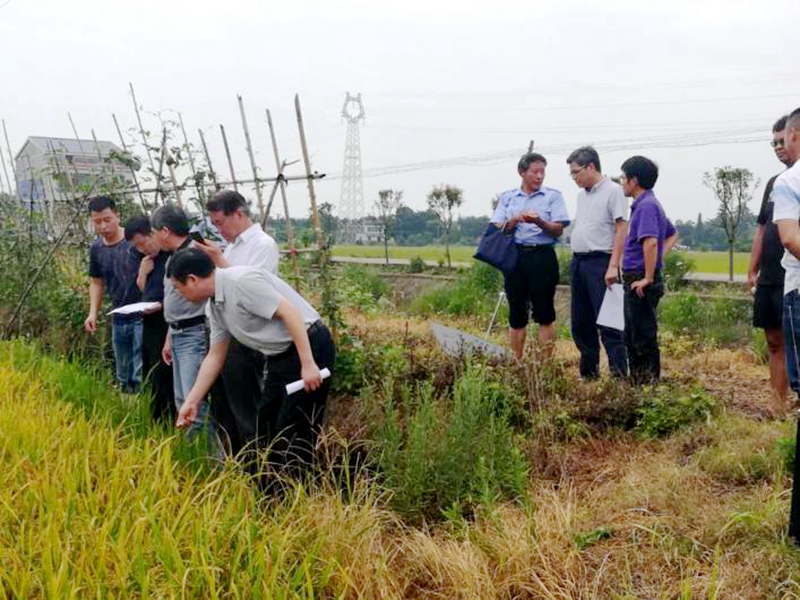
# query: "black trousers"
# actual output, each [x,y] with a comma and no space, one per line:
[289,424]
[588,288]
[641,329]
[156,373]
[242,377]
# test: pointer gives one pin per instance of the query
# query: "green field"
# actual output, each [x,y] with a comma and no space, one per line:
[705,262]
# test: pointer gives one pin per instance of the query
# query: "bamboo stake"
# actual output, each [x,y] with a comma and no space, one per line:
[230,161]
[5,170]
[191,158]
[171,166]
[310,179]
[252,158]
[75,131]
[11,158]
[211,174]
[141,129]
[280,166]
[160,173]
[133,171]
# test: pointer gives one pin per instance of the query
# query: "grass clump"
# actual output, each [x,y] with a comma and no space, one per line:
[474,292]
[439,455]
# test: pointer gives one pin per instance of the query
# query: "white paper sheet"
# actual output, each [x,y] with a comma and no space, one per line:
[612,313]
[137,307]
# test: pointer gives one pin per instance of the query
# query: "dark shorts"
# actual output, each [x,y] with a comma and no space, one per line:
[768,307]
[531,287]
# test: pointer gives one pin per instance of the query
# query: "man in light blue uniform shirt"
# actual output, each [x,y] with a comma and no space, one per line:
[537,215]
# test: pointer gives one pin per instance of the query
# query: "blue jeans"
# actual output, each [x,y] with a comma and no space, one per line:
[126,339]
[791,338]
[189,348]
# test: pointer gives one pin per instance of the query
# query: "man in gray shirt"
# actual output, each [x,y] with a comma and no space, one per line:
[185,344]
[264,313]
[597,242]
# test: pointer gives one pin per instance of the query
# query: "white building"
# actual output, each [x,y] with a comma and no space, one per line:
[51,172]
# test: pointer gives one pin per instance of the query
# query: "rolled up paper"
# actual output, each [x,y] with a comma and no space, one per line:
[298,385]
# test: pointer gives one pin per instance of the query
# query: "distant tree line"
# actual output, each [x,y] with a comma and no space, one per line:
[710,235]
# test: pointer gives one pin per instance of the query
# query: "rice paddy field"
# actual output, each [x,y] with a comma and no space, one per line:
[705,262]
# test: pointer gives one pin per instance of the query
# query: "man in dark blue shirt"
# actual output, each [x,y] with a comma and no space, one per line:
[150,280]
[113,268]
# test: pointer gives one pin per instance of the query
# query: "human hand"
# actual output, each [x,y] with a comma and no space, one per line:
[166,352]
[211,249]
[146,266]
[187,415]
[312,378]
[155,309]
[752,280]
[530,216]
[611,276]
[90,324]
[640,286]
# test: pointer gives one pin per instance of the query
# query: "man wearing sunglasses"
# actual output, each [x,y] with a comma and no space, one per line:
[765,277]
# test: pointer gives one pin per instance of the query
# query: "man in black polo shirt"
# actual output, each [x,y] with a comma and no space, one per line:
[112,269]
[766,274]
[152,268]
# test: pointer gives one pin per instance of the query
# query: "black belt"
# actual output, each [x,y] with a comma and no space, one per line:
[631,276]
[534,248]
[186,323]
[592,254]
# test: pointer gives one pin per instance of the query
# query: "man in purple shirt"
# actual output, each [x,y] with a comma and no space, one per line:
[651,235]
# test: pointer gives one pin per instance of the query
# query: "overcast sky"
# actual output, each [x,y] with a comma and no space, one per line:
[453,91]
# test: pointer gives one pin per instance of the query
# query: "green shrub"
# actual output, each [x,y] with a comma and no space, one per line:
[676,266]
[724,320]
[436,455]
[416,265]
[662,412]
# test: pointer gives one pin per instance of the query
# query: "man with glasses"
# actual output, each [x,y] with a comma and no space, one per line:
[786,214]
[596,241]
[765,276]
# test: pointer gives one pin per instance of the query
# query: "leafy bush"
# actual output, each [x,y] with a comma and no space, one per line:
[416,265]
[661,412]
[436,455]
[676,266]
[725,319]
[474,292]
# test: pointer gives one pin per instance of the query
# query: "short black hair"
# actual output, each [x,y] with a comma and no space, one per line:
[644,169]
[585,155]
[228,201]
[100,203]
[780,124]
[172,217]
[189,261]
[138,225]
[528,159]
[793,120]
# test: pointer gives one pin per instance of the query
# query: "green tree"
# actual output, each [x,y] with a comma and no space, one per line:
[387,204]
[443,200]
[733,189]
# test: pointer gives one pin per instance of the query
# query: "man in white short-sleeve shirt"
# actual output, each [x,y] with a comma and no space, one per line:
[786,215]
[263,313]
[597,240]
[242,374]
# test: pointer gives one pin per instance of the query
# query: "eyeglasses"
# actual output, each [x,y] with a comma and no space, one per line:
[777,143]
[576,171]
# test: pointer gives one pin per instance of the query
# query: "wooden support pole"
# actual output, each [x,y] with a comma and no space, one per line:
[160,174]
[318,235]
[259,196]
[282,183]
[228,154]
[11,158]
[211,174]
[191,159]
[130,156]
[5,170]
